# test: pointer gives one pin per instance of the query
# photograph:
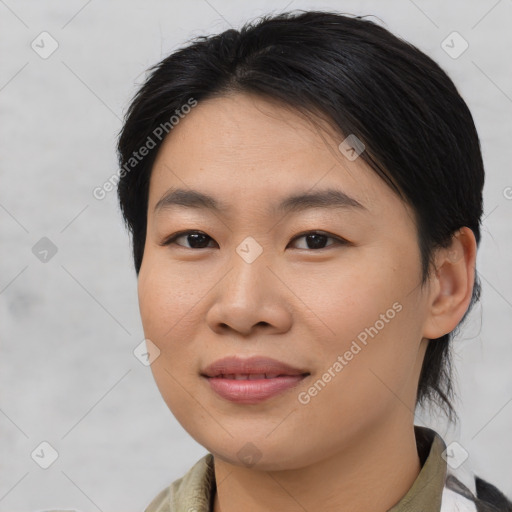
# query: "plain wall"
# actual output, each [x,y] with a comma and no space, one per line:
[69,325]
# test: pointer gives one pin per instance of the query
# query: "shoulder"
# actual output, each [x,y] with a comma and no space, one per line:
[193,491]
[161,502]
[487,498]
[491,495]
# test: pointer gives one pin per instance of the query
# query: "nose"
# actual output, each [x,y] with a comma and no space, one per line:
[250,297]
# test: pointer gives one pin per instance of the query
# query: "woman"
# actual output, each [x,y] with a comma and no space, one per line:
[304,197]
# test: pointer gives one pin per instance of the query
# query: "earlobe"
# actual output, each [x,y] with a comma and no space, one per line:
[451,284]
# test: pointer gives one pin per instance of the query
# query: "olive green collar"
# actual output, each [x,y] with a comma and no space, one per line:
[196,489]
[427,490]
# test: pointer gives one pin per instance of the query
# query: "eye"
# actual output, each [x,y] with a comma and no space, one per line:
[316,239]
[196,238]
[199,240]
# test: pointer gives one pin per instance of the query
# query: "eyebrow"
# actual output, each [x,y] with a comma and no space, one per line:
[327,198]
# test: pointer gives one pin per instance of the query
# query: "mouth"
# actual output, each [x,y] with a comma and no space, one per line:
[249,376]
[252,380]
[252,367]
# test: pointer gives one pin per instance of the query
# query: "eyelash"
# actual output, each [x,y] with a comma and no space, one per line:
[171,240]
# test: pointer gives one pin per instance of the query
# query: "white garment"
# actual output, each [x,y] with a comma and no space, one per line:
[452,501]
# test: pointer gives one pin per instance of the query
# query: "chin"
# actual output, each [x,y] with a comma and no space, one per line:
[262,456]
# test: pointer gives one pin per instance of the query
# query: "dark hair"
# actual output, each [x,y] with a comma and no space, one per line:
[418,132]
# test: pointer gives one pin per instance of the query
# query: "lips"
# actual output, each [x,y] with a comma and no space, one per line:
[249,376]
[251,368]
[253,380]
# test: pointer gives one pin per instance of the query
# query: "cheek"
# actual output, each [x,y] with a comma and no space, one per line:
[167,297]
[167,310]
[352,298]
[374,313]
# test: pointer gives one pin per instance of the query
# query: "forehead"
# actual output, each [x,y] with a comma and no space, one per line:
[245,150]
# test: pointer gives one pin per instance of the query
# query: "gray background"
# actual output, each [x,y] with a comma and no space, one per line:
[69,325]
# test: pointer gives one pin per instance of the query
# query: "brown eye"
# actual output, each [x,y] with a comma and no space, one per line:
[196,239]
[317,240]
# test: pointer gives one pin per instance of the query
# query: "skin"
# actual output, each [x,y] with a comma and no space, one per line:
[294,303]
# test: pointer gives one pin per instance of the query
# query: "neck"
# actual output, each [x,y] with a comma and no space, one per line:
[373,473]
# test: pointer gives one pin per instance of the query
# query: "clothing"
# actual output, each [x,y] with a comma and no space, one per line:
[435,489]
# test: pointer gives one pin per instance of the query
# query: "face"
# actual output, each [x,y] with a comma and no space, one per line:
[329,288]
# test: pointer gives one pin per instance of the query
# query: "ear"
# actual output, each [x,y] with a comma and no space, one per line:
[451,287]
